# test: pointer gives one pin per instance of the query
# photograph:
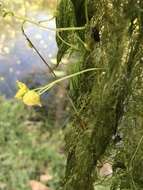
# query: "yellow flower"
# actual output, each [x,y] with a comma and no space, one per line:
[32,98]
[22,90]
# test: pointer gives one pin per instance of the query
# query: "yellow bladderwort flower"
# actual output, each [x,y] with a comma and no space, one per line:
[22,90]
[32,98]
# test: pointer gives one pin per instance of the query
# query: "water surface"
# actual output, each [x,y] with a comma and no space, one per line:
[18,61]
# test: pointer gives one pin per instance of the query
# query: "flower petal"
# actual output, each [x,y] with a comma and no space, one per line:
[32,98]
[22,90]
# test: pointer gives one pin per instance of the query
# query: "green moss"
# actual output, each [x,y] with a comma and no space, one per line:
[100,97]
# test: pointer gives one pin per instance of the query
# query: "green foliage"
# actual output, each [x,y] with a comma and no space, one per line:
[26,151]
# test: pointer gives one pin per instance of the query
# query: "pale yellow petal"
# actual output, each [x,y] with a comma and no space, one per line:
[32,98]
[21,85]
[22,90]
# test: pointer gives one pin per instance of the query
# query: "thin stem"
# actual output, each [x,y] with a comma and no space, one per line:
[83,43]
[46,20]
[137,148]
[34,47]
[50,85]
[68,44]
[26,19]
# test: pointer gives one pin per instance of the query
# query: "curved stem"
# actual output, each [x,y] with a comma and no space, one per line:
[68,44]
[50,85]
[26,19]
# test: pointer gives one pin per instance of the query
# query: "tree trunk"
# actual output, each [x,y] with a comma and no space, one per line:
[112,41]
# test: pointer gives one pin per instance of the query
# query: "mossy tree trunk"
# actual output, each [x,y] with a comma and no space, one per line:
[111,40]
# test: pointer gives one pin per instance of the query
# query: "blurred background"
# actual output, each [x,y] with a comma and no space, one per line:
[18,61]
[31,139]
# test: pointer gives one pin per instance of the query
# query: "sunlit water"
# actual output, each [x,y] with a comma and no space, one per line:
[18,61]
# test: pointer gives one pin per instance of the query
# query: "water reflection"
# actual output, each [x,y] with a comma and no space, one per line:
[18,61]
